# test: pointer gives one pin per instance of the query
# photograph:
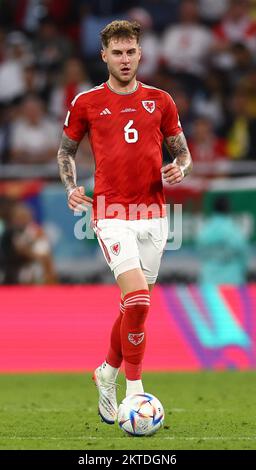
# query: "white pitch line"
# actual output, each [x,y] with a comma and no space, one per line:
[44,410]
[68,438]
[81,410]
[206,410]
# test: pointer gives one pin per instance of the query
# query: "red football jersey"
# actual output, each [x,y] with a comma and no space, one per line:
[126,132]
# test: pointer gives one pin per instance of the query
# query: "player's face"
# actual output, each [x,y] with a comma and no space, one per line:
[122,57]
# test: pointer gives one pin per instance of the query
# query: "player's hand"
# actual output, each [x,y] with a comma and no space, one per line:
[78,201]
[172,173]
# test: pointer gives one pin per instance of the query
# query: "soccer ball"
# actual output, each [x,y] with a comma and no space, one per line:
[140,414]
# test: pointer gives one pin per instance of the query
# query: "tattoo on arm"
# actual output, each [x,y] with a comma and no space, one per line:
[177,146]
[66,161]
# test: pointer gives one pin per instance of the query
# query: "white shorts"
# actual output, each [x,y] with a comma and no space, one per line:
[129,244]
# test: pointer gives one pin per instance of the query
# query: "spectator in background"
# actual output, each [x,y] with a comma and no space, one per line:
[5,205]
[248,84]
[209,101]
[242,62]
[183,103]
[186,47]
[94,15]
[204,144]
[17,53]
[222,248]
[4,135]
[212,11]
[4,210]
[161,79]
[34,136]
[28,13]
[236,27]
[149,44]
[73,80]
[160,12]
[6,14]
[26,256]
[107,8]
[2,42]
[51,48]
[241,129]
[35,81]
[252,9]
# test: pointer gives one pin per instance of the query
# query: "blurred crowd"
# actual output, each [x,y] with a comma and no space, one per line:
[201,51]
[25,253]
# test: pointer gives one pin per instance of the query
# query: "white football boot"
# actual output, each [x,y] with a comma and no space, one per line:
[107,396]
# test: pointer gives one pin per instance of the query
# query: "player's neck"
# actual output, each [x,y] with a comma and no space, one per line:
[119,87]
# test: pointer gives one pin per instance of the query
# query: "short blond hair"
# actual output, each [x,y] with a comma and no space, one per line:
[119,29]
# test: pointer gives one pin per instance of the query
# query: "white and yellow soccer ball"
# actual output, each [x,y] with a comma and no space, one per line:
[140,414]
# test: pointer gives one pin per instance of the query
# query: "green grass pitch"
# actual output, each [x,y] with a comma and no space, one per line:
[204,410]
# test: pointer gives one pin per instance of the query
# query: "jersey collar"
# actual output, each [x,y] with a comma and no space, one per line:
[120,92]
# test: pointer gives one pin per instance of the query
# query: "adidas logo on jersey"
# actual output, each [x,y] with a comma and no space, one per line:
[128,110]
[105,111]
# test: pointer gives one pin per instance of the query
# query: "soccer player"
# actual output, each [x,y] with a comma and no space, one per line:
[127,122]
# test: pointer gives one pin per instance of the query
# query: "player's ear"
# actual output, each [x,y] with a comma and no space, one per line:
[139,52]
[103,55]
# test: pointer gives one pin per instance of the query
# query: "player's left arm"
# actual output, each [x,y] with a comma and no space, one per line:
[182,163]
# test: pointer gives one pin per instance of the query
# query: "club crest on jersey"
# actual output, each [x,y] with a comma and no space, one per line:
[115,248]
[149,106]
[136,338]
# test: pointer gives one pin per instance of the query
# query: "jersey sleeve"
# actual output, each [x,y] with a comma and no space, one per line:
[170,125]
[76,122]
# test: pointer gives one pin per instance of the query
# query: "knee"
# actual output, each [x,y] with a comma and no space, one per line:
[137,304]
[139,297]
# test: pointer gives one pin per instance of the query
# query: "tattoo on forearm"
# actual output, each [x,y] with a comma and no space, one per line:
[177,146]
[67,167]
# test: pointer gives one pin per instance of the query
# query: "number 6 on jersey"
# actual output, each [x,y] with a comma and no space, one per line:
[130,134]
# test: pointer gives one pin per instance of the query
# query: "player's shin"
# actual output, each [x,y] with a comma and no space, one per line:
[114,356]
[133,337]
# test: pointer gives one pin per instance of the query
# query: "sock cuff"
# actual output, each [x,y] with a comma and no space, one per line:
[138,297]
[133,371]
[113,359]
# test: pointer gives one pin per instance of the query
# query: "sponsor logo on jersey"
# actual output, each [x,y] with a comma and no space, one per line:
[115,248]
[105,111]
[149,106]
[136,338]
[128,110]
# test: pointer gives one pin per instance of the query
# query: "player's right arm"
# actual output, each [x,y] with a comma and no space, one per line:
[67,168]
[75,127]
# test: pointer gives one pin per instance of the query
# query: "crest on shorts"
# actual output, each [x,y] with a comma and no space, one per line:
[115,248]
[136,338]
[149,106]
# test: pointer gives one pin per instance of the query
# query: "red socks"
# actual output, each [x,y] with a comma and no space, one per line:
[133,339]
[114,357]
[128,339]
